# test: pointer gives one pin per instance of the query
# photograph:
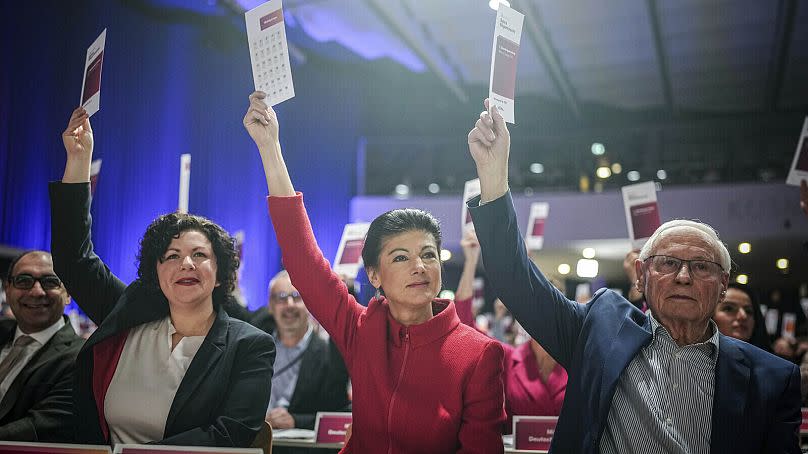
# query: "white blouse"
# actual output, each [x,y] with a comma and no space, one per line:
[147,377]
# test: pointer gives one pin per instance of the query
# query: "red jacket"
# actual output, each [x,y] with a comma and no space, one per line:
[429,388]
[526,394]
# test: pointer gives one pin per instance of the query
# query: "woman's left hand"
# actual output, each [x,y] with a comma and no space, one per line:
[261,122]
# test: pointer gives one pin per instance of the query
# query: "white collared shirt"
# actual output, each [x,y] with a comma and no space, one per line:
[147,378]
[40,339]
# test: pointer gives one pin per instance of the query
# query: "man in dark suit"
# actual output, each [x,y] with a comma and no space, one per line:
[666,381]
[38,352]
[310,375]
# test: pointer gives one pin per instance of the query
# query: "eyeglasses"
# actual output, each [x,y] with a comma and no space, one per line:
[26,282]
[701,269]
[283,296]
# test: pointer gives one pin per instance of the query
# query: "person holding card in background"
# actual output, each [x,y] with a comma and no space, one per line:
[535,383]
[167,364]
[667,379]
[422,381]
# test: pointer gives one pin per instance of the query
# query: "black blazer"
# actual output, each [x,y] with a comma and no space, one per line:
[223,397]
[38,404]
[322,384]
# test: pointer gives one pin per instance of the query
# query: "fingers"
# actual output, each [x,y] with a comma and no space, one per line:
[255,115]
[78,119]
[482,131]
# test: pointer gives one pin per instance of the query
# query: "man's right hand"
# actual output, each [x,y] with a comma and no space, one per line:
[489,145]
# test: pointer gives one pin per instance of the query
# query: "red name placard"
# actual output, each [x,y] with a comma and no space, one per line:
[804,425]
[533,432]
[9,447]
[331,427]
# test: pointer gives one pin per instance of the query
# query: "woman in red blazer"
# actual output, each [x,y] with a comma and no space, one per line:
[422,381]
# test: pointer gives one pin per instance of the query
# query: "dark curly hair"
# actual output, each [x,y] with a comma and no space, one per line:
[392,223]
[158,237]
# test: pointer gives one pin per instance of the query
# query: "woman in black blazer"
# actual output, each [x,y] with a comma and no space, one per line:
[167,364]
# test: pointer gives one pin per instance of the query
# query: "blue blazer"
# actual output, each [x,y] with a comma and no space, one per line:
[757,395]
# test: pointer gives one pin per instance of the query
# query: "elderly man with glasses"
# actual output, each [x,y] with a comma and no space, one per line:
[666,381]
[37,354]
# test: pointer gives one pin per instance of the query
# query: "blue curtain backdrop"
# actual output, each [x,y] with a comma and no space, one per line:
[169,86]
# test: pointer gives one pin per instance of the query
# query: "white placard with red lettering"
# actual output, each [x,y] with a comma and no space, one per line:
[789,327]
[804,424]
[349,253]
[772,316]
[91,82]
[269,52]
[470,189]
[185,182]
[533,432]
[799,166]
[642,211]
[504,56]
[330,427]
[95,170]
[21,447]
[163,449]
[535,226]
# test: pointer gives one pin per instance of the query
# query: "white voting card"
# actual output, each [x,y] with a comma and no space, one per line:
[642,211]
[95,171]
[799,166]
[91,83]
[185,182]
[504,56]
[470,189]
[269,52]
[535,226]
[349,253]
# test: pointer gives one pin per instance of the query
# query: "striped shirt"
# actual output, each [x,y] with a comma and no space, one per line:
[664,398]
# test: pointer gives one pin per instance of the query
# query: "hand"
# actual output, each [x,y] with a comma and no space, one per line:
[261,122]
[470,245]
[804,196]
[628,265]
[279,418]
[78,136]
[489,145]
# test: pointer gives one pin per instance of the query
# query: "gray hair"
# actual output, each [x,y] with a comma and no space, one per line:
[706,231]
[281,275]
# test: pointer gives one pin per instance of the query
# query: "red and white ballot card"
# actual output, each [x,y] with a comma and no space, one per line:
[15,447]
[185,183]
[533,432]
[470,189]
[771,317]
[642,211]
[789,325]
[330,427]
[269,52]
[91,84]
[535,226]
[804,424]
[349,253]
[95,171]
[152,449]
[502,86]
[799,166]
